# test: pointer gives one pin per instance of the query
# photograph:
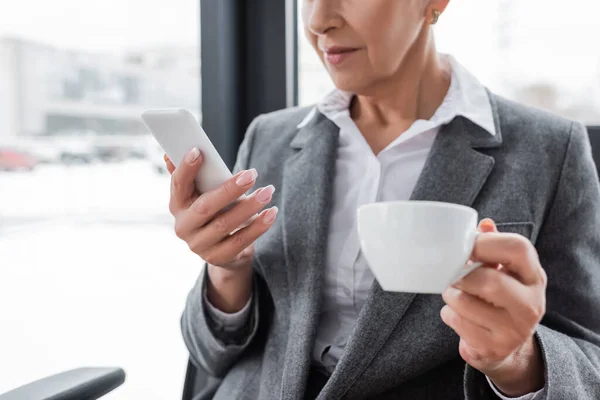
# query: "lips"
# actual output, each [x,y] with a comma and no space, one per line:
[337,54]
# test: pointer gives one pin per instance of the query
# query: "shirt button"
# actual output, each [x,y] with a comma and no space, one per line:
[347,292]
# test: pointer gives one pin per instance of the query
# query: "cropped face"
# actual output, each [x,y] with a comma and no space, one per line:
[364,42]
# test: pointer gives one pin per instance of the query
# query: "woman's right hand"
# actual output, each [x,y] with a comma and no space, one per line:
[214,233]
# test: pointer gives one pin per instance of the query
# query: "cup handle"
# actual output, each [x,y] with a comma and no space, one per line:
[471,267]
[467,270]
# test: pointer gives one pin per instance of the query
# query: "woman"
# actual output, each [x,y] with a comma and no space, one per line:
[288,308]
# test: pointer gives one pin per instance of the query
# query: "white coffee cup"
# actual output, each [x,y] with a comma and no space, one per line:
[417,246]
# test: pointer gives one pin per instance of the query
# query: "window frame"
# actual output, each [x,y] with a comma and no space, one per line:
[249,66]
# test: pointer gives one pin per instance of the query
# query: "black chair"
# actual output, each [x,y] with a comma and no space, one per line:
[77,384]
[93,383]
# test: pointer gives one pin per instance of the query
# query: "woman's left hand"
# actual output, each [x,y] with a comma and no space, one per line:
[496,309]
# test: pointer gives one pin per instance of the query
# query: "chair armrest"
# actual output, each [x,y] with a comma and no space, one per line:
[77,384]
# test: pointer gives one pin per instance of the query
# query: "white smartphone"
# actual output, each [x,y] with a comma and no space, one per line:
[177,131]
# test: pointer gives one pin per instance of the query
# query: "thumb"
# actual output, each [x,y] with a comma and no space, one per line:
[487,225]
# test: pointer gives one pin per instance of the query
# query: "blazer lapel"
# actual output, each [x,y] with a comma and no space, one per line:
[453,173]
[307,191]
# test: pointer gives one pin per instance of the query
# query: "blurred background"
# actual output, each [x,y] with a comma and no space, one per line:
[90,271]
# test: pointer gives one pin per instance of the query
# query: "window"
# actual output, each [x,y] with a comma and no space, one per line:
[91,273]
[536,52]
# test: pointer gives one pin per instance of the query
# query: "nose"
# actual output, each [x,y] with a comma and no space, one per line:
[323,16]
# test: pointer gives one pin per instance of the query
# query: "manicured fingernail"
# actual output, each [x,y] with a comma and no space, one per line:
[270,215]
[487,224]
[192,155]
[246,177]
[265,195]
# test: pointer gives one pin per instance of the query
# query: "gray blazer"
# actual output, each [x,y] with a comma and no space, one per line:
[536,177]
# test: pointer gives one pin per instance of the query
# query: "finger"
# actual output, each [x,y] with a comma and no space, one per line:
[476,310]
[246,223]
[169,164]
[504,330]
[487,225]
[475,335]
[182,179]
[504,291]
[473,357]
[514,252]
[228,249]
[493,287]
[225,223]
[209,204]
[247,252]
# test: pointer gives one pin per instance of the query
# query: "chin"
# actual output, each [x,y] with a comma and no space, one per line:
[348,81]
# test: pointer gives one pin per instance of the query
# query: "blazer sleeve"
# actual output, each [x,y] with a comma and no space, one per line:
[213,348]
[569,250]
